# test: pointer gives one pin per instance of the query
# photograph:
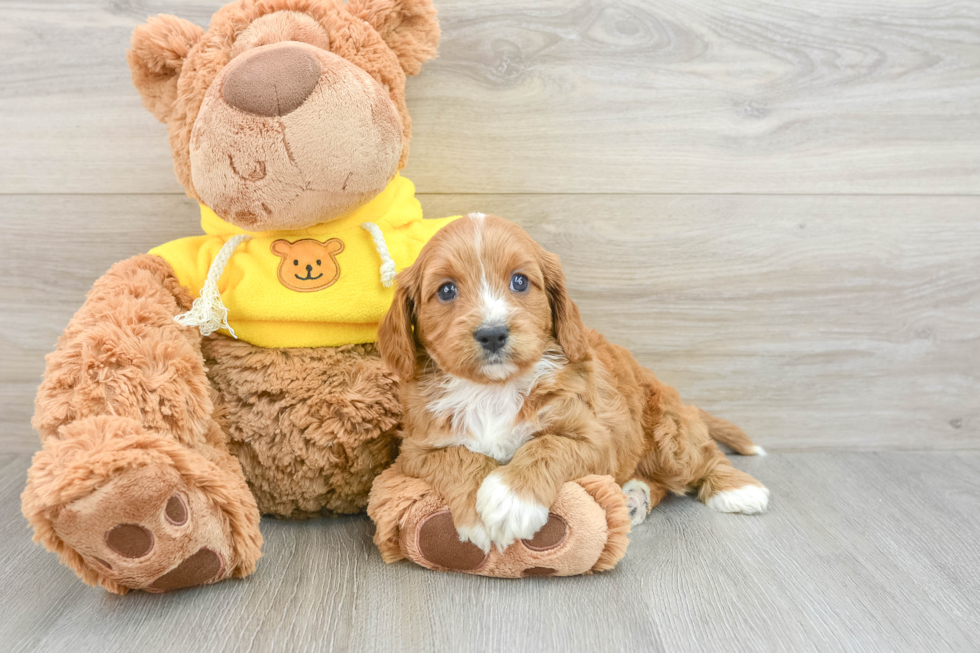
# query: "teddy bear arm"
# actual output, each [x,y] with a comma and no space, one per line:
[134,487]
[123,355]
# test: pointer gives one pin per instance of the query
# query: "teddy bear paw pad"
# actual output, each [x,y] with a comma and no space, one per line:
[439,544]
[147,529]
[129,540]
[538,571]
[551,535]
[203,566]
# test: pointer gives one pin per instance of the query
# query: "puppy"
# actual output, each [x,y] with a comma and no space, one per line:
[506,394]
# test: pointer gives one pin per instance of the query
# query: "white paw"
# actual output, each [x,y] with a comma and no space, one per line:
[507,517]
[477,534]
[637,500]
[748,499]
[759,451]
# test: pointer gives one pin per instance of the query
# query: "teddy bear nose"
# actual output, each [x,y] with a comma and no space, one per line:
[272,81]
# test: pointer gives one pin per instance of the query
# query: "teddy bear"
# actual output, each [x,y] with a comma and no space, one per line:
[235,373]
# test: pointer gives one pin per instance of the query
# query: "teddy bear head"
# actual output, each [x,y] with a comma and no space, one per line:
[285,113]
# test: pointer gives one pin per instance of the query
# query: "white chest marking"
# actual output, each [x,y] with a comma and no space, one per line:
[484,417]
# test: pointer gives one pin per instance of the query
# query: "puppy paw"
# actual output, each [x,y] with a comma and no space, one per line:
[637,500]
[476,534]
[506,516]
[748,499]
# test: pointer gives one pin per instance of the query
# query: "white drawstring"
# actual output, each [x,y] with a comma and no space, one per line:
[388,271]
[208,312]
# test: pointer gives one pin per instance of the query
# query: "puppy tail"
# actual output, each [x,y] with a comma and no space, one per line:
[730,435]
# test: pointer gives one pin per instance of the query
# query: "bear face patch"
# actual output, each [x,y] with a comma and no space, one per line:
[308,265]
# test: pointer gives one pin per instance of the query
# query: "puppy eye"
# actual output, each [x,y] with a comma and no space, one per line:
[519,283]
[447,292]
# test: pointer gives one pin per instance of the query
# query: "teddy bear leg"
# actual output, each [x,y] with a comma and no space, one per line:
[587,531]
[134,487]
[126,508]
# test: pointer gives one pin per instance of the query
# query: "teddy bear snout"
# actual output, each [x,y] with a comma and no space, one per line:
[273,81]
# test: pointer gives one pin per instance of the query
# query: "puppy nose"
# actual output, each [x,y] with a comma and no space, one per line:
[272,82]
[492,339]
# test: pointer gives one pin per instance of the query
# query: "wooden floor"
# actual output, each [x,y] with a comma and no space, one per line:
[860,552]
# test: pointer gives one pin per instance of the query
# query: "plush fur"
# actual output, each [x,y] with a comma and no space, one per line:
[498,429]
[125,393]
[160,448]
[178,70]
[310,427]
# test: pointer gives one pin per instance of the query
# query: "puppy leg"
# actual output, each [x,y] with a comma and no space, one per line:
[456,473]
[642,496]
[513,501]
[726,489]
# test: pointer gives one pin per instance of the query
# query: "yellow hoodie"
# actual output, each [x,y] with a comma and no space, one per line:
[316,287]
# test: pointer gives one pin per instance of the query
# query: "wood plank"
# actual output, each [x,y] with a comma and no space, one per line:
[601,96]
[860,551]
[814,322]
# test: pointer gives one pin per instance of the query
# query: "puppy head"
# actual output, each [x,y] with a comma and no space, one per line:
[484,301]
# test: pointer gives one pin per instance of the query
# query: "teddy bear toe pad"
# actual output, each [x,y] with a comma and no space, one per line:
[203,566]
[439,543]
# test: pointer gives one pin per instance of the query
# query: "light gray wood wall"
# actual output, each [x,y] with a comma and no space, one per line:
[775,205]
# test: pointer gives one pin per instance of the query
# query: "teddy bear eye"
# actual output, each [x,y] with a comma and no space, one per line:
[318,261]
[295,261]
[447,292]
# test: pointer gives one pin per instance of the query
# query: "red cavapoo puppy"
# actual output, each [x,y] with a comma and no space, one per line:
[507,395]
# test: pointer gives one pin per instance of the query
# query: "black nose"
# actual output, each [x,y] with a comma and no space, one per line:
[492,338]
[309,268]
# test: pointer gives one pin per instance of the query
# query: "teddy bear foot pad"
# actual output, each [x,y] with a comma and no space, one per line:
[439,544]
[147,529]
[587,530]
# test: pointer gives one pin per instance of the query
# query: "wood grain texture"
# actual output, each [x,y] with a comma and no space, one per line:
[813,322]
[555,96]
[859,552]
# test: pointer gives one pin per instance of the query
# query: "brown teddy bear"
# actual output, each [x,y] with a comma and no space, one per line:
[235,373]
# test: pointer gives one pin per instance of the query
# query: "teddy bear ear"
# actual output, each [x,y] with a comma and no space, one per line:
[409,27]
[159,48]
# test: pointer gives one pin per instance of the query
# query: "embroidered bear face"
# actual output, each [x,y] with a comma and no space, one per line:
[308,265]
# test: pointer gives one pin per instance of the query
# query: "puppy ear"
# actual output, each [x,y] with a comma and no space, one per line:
[409,27]
[569,330]
[159,48]
[396,335]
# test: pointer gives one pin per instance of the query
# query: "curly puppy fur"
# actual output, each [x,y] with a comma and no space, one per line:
[507,395]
